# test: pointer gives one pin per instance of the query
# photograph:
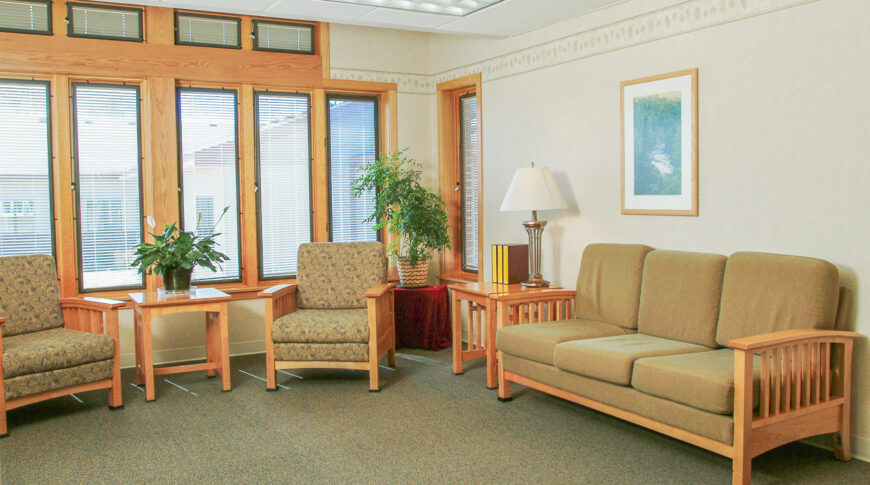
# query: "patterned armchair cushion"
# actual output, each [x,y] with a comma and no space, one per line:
[322,326]
[58,379]
[29,294]
[353,352]
[48,350]
[337,275]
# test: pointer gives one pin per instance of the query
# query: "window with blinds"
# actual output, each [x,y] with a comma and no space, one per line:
[25,16]
[104,21]
[469,172]
[25,169]
[208,146]
[208,30]
[352,142]
[283,180]
[283,37]
[106,154]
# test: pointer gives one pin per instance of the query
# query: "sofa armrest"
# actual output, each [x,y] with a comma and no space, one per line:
[538,305]
[790,337]
[379,290]
[277,291]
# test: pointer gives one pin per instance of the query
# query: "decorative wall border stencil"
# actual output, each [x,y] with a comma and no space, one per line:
[678,19]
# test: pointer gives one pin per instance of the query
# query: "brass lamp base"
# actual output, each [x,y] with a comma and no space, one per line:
[534,229]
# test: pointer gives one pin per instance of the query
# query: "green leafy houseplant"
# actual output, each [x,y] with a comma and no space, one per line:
[404,207]
[175,254]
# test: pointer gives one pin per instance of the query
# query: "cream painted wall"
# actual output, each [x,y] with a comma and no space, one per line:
[784,116]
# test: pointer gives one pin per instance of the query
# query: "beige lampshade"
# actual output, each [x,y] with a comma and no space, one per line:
[533,188]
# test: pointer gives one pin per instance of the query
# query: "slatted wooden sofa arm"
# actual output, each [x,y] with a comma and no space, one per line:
[790,337]
[538,306]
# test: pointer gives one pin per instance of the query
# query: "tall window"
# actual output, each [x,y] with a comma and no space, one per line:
[283,180]
[107,155]
[352,143]
[208,146]
[25,169]
[469,171]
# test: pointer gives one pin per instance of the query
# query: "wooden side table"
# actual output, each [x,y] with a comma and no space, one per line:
[209,300]
[482,319]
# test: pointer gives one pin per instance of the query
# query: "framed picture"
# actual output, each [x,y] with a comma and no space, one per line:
[660,144]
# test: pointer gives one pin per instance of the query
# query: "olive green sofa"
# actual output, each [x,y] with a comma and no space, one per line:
[733,354]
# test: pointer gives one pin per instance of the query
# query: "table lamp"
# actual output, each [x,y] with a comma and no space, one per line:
[533,189]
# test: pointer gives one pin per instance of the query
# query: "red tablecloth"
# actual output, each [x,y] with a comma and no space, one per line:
[422,318]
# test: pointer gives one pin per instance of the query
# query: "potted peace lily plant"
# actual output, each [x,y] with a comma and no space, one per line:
[416,216]
[175,253]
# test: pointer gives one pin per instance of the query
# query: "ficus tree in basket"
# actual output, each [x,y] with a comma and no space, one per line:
[404,207]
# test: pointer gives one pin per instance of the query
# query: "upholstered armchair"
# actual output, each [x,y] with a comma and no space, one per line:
[338,315]
[51,347]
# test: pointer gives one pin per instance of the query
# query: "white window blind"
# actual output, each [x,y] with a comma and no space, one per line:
[283,37]
[284,195]
[352,143]
[208,143]
[105,22]
[469,167]
[25,16]
[207,30]
[107,155]
[25,176]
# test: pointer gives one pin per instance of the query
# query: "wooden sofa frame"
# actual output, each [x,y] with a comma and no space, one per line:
[86,315]
[281,300]
[805,385]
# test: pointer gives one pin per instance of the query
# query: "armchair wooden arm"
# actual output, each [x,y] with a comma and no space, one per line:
[2,326]
[90,303]
[277,291]
[379,290]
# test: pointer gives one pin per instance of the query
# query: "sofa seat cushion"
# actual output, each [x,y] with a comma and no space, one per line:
[611,359]
[322,326]
[30,384]
[536,341]
[306,352]
[48,350]
[702,380]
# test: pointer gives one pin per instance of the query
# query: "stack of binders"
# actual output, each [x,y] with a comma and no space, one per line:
[510,263]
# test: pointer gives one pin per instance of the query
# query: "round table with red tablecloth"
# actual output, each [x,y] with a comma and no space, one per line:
[423,318]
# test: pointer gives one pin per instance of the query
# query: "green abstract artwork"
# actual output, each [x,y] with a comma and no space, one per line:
[658,144]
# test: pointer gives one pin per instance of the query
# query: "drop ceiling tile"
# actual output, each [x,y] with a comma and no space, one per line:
[316,10]
[528,12]
[400,18]
[478,26]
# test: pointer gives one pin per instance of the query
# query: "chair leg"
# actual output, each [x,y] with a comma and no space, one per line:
[373,375]
[271,372]
[115,399]
[391,357]
[3,432]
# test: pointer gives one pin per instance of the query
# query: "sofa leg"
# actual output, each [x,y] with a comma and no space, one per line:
[504,385]
[741,471]
[842,445]
[3,432]
[391,357]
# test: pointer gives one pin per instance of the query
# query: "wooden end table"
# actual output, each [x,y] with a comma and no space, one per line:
[209,300]
[482,318]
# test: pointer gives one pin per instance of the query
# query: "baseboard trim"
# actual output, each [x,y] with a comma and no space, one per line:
[170,356]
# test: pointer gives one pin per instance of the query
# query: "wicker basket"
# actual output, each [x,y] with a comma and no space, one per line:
[413,276]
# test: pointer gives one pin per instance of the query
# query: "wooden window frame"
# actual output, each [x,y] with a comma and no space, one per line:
[49,30]
[256,95]
[76,181]
[185,13]
[255,38]
[104,6]
[158,66]
[448,94]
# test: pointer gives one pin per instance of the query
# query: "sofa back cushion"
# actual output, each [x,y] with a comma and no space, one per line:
[679,297]
[29,294]
[337,275]
[608,285]
[764,293]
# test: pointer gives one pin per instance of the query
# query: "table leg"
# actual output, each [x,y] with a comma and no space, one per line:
[137,343]
[491,367]
[456,310]
[224,349]
[147,355]
[212,332]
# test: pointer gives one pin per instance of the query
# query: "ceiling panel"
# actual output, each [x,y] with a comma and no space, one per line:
[503,19]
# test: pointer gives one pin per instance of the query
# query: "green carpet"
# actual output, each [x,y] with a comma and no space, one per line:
[425,426]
